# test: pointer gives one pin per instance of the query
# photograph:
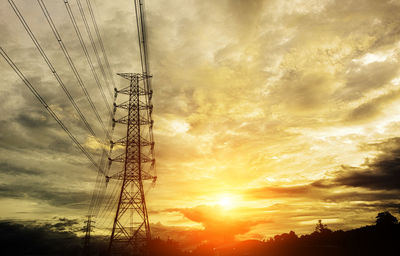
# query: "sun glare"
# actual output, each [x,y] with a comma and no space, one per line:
[226,202]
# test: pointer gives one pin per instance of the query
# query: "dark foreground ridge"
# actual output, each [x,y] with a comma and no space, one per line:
[383,238]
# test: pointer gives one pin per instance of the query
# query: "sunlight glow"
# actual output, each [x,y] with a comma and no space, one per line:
[179,126]
[374,57]
[227,202]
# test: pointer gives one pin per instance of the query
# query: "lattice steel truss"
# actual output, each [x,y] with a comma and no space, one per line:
[131,230]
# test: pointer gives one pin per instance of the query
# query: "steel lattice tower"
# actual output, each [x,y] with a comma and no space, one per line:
[131,230]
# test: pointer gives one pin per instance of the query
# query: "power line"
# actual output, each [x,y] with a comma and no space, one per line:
[105,212]
[93,17]
[99,191]
[144,61]
[48,108]
[46,59]
[72,65]
[142,38]
[82,12]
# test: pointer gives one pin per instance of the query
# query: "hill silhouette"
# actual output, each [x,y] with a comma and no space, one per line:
[382,238]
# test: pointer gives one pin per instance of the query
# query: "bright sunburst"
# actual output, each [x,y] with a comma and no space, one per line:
[226,201]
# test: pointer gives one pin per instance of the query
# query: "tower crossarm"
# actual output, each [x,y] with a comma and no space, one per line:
[121,142]
[125,120]
[142,106]
[120,158]
[139,91]
[143,142]
[144,176]
[130,76]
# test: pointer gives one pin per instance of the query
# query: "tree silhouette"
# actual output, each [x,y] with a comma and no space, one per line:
[322,228]
[385,219]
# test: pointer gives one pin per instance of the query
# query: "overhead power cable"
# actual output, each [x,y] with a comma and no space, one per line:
[65,51]
[98,194]
[142,38]
[88,31]
[72,65]
[144,54]
[48,108]
[46,59]
[93,17]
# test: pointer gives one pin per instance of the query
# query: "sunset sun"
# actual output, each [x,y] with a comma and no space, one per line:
[226,202]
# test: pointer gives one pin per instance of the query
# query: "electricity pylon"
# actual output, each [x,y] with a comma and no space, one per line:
[131,230]
[88,230]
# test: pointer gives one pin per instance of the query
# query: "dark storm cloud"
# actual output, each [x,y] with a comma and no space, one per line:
[385,206]
[325,190]
[384,187]
[32,120]
[358,196]
[45,193]
[62,146]
[379,173]
[6,168]
[64,224]
[34,129]
[382,175]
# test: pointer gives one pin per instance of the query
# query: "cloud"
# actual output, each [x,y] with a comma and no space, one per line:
[280,191]
[46,193]
[64,224]
[301,91]
[372,108]
[218,225]
[187,237]
[361,79]
[359,196]
[6,168]
[379,173]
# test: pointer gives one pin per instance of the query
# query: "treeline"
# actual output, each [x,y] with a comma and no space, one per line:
[381,239]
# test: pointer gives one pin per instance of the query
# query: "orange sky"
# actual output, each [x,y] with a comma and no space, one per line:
[269,115]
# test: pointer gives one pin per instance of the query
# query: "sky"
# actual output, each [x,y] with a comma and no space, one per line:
[268,115]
